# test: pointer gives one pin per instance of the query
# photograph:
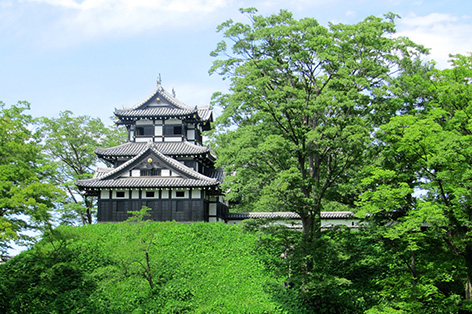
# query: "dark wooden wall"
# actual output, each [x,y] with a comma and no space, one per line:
[181,210]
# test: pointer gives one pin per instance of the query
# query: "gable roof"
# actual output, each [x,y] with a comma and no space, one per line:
[111,178]
[159,91]
[163,105]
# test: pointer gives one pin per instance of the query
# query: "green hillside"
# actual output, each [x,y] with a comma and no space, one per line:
[144,268]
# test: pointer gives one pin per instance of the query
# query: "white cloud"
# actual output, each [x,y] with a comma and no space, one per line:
[166,5]
[76,21]
[60,3]
[428,20]
[350,13]
[5,4]
[444,33]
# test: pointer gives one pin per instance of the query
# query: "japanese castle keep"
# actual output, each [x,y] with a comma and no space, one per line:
[163,166]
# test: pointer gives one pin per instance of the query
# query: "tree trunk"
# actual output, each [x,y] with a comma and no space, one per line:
[88,213]
[414,274]
[468,265]
[311,224]
[308,224]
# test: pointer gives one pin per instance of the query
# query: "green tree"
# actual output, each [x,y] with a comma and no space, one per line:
[25,198]
[70,142]
[429,151]
[304,101]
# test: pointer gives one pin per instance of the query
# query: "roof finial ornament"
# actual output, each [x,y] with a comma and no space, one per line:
[159,80]
[173,91]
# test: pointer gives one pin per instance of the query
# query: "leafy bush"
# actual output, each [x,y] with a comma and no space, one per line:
[142,268]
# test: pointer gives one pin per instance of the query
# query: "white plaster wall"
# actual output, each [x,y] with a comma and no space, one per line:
[158,130]
[196,193]
[165,172]
[165,194]
[174,122]
[144,122]
[105,194]
[173,139]
[212,209]
[191,134]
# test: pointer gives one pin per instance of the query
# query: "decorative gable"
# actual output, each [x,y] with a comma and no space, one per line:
[150,168]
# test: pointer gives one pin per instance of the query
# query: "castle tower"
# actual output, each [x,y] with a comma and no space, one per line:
[162,166]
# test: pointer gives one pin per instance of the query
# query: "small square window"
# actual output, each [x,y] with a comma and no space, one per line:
[177,130]
[149,194]
[120,194]
[147,130]
[180,194]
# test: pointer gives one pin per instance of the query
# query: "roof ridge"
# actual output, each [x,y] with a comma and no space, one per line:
[181,167]
[174,100]
[160,90]
[158,87]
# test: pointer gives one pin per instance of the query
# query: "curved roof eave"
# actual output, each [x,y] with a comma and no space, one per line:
[166,148]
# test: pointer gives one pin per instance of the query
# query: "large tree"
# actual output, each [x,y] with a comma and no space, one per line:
[423,177]
[26,199]
[70,141]
[303,102]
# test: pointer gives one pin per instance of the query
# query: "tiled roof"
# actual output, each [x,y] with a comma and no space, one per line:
[100,172]
[166,148]
[159,91]
[145,183]
[288,215]
[204,113]
[107,178]
[150,108]
[217,174]
[155,111]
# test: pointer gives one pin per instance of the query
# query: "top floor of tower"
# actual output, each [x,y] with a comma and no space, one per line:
[163,118]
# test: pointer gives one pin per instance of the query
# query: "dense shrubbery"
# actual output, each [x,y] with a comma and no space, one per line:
[217,268]
[198,268]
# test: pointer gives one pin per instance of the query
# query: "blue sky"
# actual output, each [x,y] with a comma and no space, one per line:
[91,56]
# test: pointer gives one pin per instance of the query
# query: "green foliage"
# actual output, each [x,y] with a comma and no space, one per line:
[217,268]
[25,197]
[139,215]
[70,142]
[196,268]
[422,182]
[304,101]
